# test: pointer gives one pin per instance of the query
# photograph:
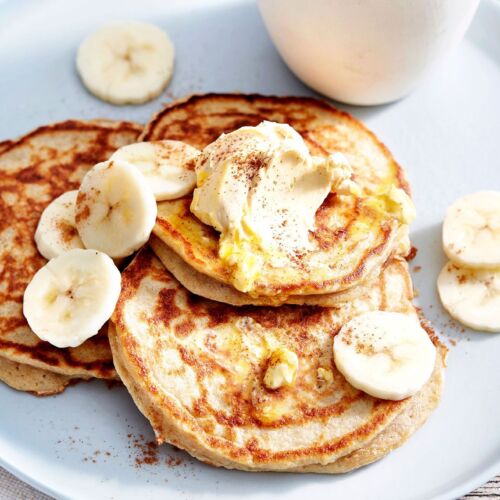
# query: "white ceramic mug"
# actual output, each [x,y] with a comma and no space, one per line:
[365,51]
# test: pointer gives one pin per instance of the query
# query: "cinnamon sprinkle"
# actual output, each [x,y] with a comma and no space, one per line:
[411,254]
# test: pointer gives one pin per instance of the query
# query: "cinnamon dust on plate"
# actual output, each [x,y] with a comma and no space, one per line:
[148,453]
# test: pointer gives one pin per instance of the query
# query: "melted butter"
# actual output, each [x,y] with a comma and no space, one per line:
[271,412]
[281,369]
[395,202]
[242,370]
[230,345]
[325,375]
[190,229]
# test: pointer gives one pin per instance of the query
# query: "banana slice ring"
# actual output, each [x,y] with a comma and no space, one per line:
[115,209]
[471,230]
[56,232]
[385,354]
[167,165]
[126,63]
[471,296]
[71,297]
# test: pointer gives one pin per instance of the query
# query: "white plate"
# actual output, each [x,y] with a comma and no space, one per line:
[446,135]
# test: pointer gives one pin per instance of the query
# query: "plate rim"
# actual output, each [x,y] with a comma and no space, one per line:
[14,467]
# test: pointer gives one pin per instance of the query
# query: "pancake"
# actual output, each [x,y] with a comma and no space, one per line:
[29,379]
[353,237]
[34,170]
[195,367]
[209,288]
[396,433]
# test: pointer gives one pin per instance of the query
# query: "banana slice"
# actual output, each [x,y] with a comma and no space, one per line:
[56,232]
[71,297]
[385,354]
[126,63]
[471,230]
[471,296]
[115,209]
[167,165]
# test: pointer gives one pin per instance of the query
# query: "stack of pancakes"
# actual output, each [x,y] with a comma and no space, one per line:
[191,348]
[35,169]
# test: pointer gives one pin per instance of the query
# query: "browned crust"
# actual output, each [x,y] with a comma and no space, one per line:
[4,145]
[43,355]
[72,125]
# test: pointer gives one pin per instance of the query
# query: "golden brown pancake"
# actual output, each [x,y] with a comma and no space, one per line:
[209,288]
[35,169]
[195,369]
[199,119]
[27,378]
[352,236]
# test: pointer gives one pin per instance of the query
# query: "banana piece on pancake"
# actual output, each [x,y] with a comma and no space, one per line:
[71,298]
[196,369]
[209,288]
[167,165]
[26,378]
[56,232]
[115,208]
[385,354]
[34,170]
[352,238]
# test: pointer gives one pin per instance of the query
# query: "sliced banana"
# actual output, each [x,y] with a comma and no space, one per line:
[71,297]
[385,354]
[472,296]
[56,232]
[471,230]
[167,165]
[115,209]
[126,63]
